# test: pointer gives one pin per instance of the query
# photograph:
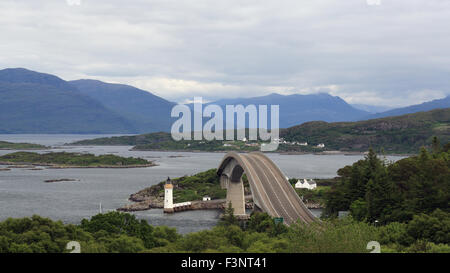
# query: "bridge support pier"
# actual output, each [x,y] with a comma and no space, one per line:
[235,195]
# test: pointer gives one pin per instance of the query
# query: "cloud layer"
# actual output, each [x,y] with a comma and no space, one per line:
[396,53]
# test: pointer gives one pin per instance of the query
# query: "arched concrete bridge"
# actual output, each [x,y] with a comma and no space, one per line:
[271,191]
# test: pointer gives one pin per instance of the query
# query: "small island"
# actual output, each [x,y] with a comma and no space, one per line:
[187,188]
[73,160]
[4,145]
[60,180]
[207,184]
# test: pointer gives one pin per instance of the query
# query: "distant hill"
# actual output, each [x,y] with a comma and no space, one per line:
[371,108]
[32,102]
[401,134]
[296,109]
[426,106]
[147,112]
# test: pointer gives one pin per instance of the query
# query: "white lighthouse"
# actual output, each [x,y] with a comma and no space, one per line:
[168,196]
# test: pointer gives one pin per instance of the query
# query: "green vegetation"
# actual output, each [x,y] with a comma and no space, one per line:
[375,190]
[207,146]
[400,134]
[188,188]
[127,140]
[116,232]
[194,187]
[73,159]
[20,146]
[163,141]
[112,232]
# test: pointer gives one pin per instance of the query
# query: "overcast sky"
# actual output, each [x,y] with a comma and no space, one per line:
[396,53]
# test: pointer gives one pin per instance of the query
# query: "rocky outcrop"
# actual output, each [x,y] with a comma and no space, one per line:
[61,180]
[143,205]
[313,205]
[153,202]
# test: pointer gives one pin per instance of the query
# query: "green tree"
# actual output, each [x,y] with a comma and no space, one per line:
[433,228]
[358,209]
[435,145]
[228,217]
[122,223]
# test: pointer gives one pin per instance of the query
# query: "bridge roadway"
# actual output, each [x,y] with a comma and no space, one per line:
[271,191]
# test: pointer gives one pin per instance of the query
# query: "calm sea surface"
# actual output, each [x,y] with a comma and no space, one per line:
[23,192]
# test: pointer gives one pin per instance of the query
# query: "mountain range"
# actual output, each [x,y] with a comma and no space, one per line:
[296,109]
[147,112]
[33,102]
[426,106]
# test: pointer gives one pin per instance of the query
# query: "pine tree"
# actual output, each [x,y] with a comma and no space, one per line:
[228,217]
[436,145]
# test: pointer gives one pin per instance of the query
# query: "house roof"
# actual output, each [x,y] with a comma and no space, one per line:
[310,181]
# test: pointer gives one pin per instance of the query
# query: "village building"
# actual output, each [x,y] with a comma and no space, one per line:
[306,184]
[206,198]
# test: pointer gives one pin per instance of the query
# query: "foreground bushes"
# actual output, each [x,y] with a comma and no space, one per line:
[120,232]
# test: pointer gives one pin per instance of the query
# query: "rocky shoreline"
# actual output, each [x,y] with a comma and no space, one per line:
[195,205]
[145,202]
[326,152]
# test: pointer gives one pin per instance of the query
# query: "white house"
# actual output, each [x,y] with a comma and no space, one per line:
[306,184]
[321,145]
[206,198]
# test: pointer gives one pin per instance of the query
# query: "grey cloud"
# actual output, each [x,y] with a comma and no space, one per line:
[395,53]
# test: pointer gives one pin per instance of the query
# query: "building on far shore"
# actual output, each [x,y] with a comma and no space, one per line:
[252,144]
[306,184]
[206,198]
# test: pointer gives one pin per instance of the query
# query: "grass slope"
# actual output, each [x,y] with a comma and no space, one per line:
[405,133]
[20,146]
